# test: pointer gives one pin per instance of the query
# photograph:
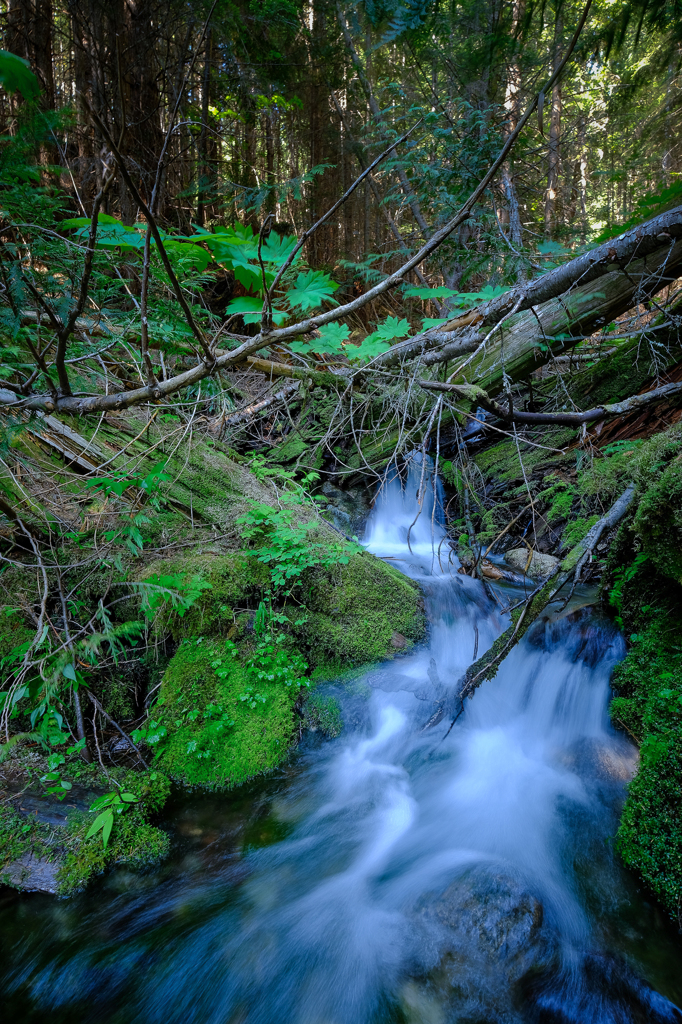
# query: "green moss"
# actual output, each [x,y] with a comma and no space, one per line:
[216,739]
[323,713]
[560,497]
[13,631]
[502,460]
[292,449]
[354,611]
[648,704]
[134,841]
[236,579]
[650,832]
[577,530]
[621,375]
[19,835]
[658,520]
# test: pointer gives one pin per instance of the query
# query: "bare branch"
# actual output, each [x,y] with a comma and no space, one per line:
[194,327]
[510,415]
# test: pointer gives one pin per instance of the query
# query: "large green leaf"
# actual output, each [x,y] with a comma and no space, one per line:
[250,307]
[379,341]
[369,349]
[331,341]
[311,289]
[16,74]
[391,328]
[190,256]
[103,218]
[277,247]
[429,293]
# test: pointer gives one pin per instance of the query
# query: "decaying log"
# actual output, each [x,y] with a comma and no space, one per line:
[636,244]
[532,338]
[325,378]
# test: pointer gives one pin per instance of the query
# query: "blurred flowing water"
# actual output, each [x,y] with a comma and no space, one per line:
[399,873]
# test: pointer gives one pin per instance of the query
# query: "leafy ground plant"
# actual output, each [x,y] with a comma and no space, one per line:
[288,546]
[109,805]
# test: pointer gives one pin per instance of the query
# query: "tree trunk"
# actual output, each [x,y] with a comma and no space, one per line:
[512,104]
[554,151]
[203,167]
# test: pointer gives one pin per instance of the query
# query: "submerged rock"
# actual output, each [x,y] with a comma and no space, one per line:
[492,913]
[488,930]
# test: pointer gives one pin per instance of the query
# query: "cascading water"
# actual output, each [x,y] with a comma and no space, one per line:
[423,877]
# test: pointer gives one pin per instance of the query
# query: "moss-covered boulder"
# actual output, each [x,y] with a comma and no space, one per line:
[648,704]
[234,580]
[352,613]
[221,727]
[44,844]
[658,520]
[359,612]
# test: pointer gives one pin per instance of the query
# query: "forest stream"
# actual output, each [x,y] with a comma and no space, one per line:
[397,873]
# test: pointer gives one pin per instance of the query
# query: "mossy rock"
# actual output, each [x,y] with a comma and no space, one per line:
[37,854]
[658,521]
[650,833]
[648,704]
[221,730]
[237,580]
[359,613]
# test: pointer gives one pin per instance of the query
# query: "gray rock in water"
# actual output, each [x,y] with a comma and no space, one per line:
[491,912]
[32,874]
[488,932]
[540,565]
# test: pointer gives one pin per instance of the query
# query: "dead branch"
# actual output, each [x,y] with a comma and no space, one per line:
[487,665]
[480,397]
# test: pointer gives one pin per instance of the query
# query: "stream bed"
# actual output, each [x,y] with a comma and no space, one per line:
[398,874]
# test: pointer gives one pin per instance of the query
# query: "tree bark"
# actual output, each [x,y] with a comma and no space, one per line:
[554,149]
[531,338]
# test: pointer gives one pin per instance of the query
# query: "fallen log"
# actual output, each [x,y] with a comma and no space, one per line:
[636,244]
[325,378]
[527,340]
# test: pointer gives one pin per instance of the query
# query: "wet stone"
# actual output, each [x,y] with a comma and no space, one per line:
[490,927]
[33,874]
[540,565]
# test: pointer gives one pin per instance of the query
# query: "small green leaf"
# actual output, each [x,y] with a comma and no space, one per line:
[106,831]
[99,823]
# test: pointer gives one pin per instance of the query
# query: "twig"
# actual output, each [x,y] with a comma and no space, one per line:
[125,735]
